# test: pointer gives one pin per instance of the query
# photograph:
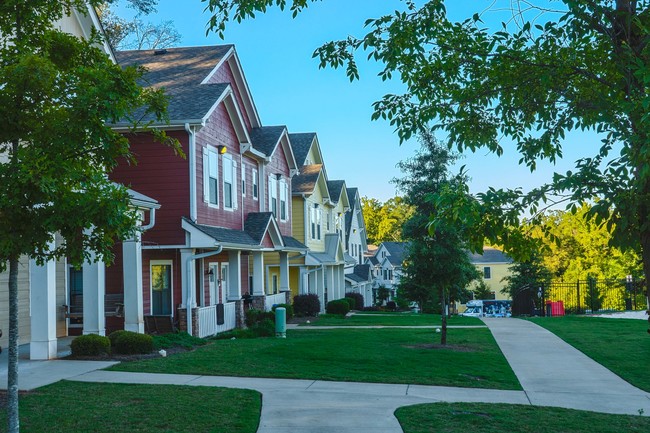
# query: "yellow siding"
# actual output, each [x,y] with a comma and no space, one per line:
[495,282]
[298,218]
[294,280]
[312,156]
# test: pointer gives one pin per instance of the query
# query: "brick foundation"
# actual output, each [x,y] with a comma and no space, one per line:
[182,320]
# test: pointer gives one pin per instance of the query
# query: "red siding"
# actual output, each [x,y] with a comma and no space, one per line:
[278,164]
[224,75]
[267,242]
[219,131]
[163,176]
[251,205]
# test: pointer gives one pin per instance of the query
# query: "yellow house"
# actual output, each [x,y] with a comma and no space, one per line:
[494,266]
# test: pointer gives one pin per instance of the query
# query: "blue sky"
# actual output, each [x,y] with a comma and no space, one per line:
[288,88]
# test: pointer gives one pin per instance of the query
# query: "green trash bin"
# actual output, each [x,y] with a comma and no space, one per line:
[281,322]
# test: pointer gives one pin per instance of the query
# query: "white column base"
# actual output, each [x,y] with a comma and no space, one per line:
[42,350]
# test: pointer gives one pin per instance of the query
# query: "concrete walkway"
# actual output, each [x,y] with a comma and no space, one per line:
[551,372]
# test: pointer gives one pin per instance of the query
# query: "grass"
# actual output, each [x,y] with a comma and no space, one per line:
[361,355]
[621,345]
[497,418]
[96,407]
[392,319]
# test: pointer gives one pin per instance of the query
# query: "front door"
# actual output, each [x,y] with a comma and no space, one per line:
[224,283]
[161,289]
[75,297]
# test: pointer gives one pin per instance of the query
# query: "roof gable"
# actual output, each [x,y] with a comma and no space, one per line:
[490,255]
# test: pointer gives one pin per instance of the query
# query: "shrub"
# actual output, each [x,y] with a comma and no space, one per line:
[402,303]
[252,317]
[113,336]
[287,307]
[374,308]
[306,305]
[176,339]
[131,343]
[358,298]
[90,345]
[391,306]
[340,306]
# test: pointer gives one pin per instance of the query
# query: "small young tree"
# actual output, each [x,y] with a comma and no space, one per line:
[57,96]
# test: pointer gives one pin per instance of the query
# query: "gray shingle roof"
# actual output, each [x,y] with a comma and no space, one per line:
[266,138]
[256,225]
[180,71]
[363,271]
[396,251]
[224,235]
[291,242]
[300,143]
[305,182]
[335,188]
[490,255]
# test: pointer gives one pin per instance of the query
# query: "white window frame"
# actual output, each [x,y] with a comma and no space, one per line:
[170,263]
[273,195]
[228,164]
[256,184]
[284,194]
[312,222]
[319,223]
[210,171]
[243,179]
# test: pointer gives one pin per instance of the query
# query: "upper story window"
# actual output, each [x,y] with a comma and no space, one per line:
[229,182]
[273,195]
[210,176]
[284,204]
[315,222]
[487,272]
[243,179]
[256,182]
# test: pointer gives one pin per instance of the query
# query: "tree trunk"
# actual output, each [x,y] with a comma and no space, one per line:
[443,313]
[12,373]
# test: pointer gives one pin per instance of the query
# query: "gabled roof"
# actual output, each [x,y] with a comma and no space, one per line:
[373,260]
[301,143]
[336,189]
[363,271]
[221,235]
[266,138]
[184,74]
[256,227]
[142,201]
[293,243]
[490,255]
[306,181]
[396,252]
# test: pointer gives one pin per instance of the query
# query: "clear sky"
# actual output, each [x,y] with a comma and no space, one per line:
[289,89]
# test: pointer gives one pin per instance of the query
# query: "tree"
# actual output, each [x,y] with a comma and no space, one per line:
[482,290]
[57,95]
[136,34]
[542,74]
[437,266]
[384,220]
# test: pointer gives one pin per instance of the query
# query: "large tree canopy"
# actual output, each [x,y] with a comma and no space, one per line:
[551,68]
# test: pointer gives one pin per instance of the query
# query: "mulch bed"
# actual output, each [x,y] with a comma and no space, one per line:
[300,320]
[126,358]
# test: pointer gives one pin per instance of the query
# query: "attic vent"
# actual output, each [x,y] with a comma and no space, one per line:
[160,52]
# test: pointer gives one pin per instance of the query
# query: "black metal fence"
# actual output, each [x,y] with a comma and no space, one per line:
[581,297]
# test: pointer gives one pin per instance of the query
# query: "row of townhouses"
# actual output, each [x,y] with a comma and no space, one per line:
[248,219]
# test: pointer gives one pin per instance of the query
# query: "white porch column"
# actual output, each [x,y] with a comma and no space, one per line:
[234,276]
[132,270]
[312,284]
[42,290]
[284,271]
[258,274]
[320,287]
[187,278]
[94,290]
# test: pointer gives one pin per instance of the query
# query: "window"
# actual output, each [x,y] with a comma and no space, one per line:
[243,179]
[274,284]
[229,198]
[312,221]
[161,288]
[273,195]
[210,177]
[327,220]
[319,215]
[487,273]
[284,209]
[255,184]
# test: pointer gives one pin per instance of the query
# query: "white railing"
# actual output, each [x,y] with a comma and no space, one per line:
[208,320]
[272,300]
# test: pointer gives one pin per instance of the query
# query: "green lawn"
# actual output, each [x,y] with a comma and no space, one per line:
[392,319]
[621,345]
[362,355]
[498,418]
[96,407]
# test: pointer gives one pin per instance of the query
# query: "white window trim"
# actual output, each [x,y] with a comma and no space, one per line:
[227,159]
[153,263]
[243,179]
[284,190]
[255,181]
[206,176]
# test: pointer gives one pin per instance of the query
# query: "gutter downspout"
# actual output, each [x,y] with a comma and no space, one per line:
[192,157]
[152,221]
[190,295]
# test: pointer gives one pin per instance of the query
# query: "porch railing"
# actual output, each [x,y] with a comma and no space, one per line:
[208,320]
[272,300]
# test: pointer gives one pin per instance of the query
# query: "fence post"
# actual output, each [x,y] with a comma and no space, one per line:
[579,308]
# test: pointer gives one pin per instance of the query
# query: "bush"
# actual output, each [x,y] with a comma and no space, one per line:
[131,343]
[176,339]
[391,306]
[287,307]
[90,345]
[113,336]
[306,305]
[340,306]
[254,317]
[352,303]
[402,303]
[374,308]
[358,298]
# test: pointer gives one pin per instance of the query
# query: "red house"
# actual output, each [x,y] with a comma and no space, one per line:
[221,207]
